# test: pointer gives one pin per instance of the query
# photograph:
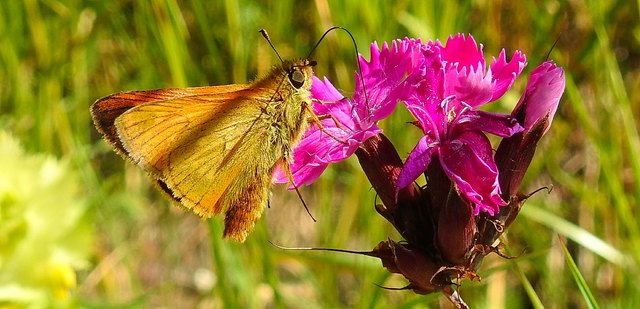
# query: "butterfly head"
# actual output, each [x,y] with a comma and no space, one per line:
[299,72]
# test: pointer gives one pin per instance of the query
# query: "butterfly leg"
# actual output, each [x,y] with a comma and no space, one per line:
[287,169]
[329,116]
[316,120]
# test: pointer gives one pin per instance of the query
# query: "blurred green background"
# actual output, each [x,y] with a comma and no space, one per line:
[79,226]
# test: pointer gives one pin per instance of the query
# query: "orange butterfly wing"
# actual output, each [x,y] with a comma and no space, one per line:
[195,142]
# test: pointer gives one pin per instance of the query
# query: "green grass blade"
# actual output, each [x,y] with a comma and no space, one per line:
[579,279]
[575,233]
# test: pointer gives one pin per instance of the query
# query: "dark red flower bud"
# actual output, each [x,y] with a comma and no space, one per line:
[456,230]
[413,264]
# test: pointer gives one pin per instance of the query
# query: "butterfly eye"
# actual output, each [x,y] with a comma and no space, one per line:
[296,78]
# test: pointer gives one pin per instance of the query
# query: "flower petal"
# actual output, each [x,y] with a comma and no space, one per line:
[464,52]
[315,152]
[542,95]
[384,76]
[472,87]
[323,90]
[416,163]
[468,160]
[465,76]
[423,91]
[478,120]
[505,73]
[465,72]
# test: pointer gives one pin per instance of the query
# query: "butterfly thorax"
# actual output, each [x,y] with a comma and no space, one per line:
[291,84]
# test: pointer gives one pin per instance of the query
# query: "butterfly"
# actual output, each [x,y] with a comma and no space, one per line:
[213,149]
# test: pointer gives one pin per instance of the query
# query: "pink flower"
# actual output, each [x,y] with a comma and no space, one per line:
[450,84]
[446,235]
[443,87]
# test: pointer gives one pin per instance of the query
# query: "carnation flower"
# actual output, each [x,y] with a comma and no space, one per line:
[472,195]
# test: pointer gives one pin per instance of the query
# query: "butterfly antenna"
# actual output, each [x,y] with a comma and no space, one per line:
[266,37]
[367,253]
[355,46]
